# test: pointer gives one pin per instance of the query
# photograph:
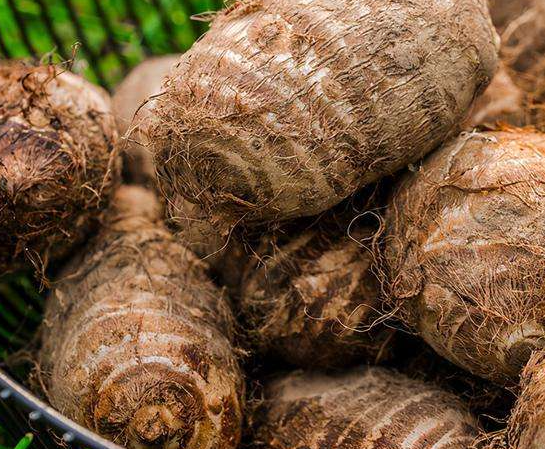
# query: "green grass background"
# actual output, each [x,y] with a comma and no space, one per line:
[105,39]
[114,35]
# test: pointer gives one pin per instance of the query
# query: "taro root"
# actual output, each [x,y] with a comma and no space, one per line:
[523,42]
[465,250]
[132,102]
[137,341]
[366,408]
[314,300]
[58,165]
[285,107]
[503,12]
[502,102]
[523,50]
[527,423]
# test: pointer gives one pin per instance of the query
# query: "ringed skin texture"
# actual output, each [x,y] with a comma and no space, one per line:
[366,408]
[58,163]
[465,249]
[137,341]
[313,301]
[284,108]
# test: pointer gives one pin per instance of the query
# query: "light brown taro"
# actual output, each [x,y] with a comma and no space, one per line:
[523,51]
[284,107]
[132,102]
[137,341]
[504,12]
[465,253]
[314,300]
[365,408]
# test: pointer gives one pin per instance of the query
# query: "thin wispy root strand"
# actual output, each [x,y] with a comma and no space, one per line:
[58,162]
[285,108]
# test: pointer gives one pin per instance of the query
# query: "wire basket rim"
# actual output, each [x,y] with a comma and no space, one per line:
[72,432]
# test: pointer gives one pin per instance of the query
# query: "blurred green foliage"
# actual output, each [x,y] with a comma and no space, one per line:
[24,443]
[111,35]
[21,306]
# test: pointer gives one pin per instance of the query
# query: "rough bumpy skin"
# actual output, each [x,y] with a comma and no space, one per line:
[286,107]
[367,408]
[58,166]
[502,102]
[313,300]
[137,340]
[527,423]
[132,108]
[465,251]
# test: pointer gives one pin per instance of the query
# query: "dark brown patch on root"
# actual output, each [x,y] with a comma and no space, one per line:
[58,163]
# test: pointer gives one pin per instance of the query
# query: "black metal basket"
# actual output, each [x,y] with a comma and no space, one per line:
[105,39]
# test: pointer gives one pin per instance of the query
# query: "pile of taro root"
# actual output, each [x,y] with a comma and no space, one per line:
[322,227]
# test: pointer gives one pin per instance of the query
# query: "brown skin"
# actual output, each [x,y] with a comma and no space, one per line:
[503,12]
[286,107]
[137,341]
[465,247]
[523,51]
[502,102]
[366,408]
[464,244]
[58,166]
[523,45]
[132,102]
[527,423]
[516,95]
[313,300]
